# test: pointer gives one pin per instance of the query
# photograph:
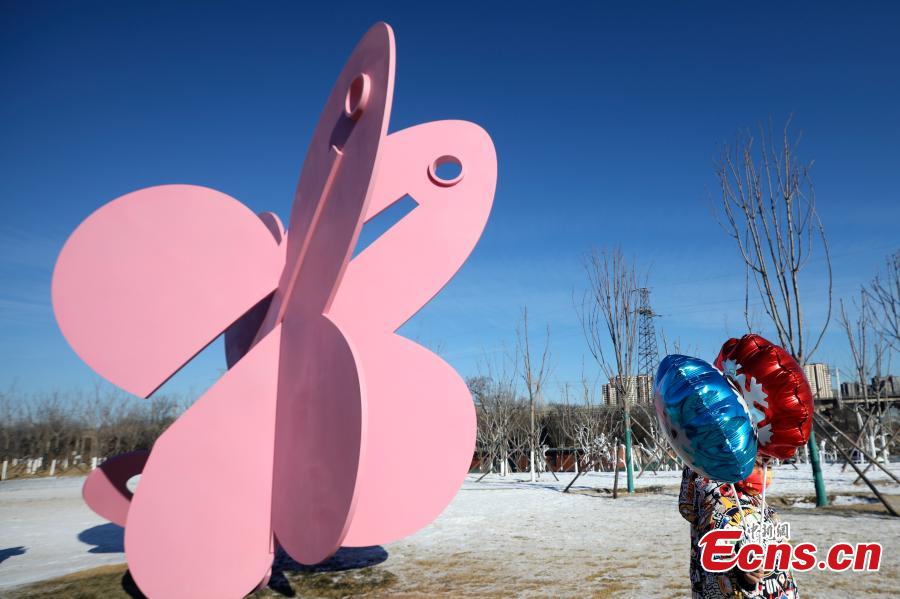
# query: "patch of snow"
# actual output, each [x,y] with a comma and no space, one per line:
[46,516]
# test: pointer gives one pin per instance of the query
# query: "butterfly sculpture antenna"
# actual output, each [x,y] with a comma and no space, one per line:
[320,207]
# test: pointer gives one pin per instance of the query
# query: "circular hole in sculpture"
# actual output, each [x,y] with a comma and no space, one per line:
[446,171]
[357,96]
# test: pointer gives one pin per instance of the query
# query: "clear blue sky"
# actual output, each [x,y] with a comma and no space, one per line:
[606,120]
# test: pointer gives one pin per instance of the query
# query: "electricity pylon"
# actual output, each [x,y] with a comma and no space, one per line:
[648,354]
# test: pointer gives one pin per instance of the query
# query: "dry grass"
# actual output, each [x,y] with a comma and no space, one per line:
[605,492]
[466,575]
[115,582]
[105,581]
[348,583]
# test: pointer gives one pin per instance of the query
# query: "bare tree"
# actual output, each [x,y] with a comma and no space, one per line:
[496,407]
[867,349]
[591,429]
[608,317]
[520,437]
[884,294]
[769,208]
[858,334]
[676,346]
[882,428]
[534,374]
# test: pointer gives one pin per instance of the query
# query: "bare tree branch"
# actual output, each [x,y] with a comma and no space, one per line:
[884,294]
[769,209]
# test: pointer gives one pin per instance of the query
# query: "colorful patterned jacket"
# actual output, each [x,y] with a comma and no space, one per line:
[708,505]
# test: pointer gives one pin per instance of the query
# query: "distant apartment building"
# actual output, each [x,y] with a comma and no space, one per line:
[881,386]
[819,378]
[639,390]
[851,390]
[886,386]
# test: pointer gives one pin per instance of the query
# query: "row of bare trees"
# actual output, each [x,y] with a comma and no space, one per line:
[870,325]
[72,428]
[581,431]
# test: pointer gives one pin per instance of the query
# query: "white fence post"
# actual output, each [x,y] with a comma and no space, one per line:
[93,463]
[3,472]
[53,467]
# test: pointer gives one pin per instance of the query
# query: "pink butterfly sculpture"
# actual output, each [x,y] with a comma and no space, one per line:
[303,441]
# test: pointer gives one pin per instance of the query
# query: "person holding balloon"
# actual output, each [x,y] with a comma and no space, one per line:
[726,422]
[708,505]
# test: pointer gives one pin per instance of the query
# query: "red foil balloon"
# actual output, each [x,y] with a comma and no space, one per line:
[775,389]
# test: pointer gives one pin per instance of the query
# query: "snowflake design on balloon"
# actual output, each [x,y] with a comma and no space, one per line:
[731,367]
[753,394]
[764,433]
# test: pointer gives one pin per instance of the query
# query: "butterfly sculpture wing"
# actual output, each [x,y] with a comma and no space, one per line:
[204,501]
[106,489]
[151,278]
[240,335]
[414,399]
[140,287]
[321,426]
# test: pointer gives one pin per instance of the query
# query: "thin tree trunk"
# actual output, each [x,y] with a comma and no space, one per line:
[616,468]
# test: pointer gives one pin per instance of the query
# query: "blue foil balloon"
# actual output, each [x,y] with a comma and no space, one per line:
[705,418]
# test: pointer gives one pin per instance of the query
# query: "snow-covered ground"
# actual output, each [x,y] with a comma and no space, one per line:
[499,537]
[787,480]
[46,530]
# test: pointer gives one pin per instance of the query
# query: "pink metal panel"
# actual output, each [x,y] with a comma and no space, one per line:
[334,187]
[414,399]
[320,391]
[274,225]
[151,278]
[204,501]
[319,436]
[240,335]
[419,442]
[106,489]
[407,266]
